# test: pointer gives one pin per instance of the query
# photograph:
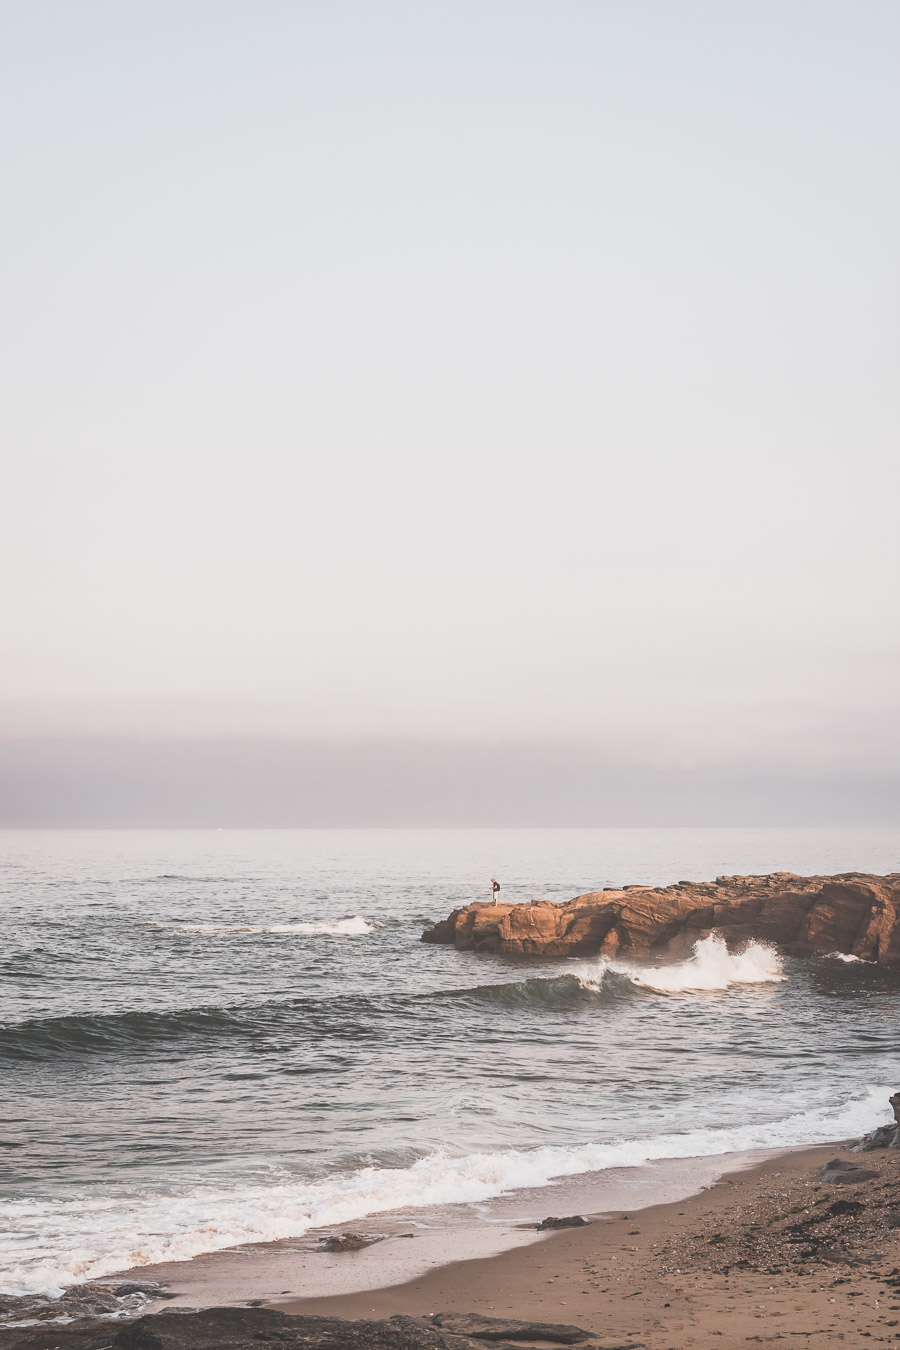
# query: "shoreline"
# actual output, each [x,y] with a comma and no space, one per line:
[405,1245]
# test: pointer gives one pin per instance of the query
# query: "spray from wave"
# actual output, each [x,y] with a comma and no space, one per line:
[54,1243]
[711,968]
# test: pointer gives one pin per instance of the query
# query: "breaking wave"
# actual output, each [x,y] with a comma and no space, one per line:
[552,992]
[711,968]
[50,1244]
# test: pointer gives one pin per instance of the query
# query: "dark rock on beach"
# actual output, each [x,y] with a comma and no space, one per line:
[854,914]
[572,1221]
[347,1242]
[253,1328]
[493,1329]
[114,1298]
[83,1334]
[839,1173]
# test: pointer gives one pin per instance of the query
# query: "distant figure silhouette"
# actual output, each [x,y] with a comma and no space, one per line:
[495,887]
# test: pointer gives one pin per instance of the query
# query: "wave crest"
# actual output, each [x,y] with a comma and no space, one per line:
[711,968]
[548,991]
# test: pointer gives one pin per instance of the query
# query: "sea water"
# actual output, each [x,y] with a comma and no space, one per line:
[217,1037]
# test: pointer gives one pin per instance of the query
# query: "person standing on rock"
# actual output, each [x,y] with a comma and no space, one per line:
[495,889]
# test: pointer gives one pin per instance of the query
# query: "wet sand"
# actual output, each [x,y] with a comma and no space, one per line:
[411,1243]
[762,1251]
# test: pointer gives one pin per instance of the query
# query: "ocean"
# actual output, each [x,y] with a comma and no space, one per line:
[210,1038]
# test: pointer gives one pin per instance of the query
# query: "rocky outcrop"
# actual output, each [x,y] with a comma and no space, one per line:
[855,914]
[252,1328]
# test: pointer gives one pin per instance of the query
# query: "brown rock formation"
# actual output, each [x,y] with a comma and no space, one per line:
[855,914]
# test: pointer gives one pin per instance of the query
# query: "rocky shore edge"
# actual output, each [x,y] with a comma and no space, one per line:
[252,1328]
[854,914]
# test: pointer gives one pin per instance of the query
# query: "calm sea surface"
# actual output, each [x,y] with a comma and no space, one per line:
[210,1037]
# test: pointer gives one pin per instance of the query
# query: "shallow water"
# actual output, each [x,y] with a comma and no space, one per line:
[217,1037]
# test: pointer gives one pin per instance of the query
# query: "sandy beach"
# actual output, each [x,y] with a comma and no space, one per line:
[757,1258]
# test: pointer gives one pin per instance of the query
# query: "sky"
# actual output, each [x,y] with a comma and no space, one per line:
[495,384]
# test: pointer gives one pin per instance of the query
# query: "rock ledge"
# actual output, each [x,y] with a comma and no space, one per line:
[255,1328]
[855,914]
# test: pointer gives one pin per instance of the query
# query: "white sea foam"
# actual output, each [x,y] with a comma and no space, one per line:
[49,1244]
[711,967]
[356,926]
[846,956]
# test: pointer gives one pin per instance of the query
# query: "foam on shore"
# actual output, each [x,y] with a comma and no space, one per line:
[53,1243]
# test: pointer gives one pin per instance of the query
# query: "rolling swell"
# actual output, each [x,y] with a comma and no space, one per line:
[347,1016]
[100,1033]
[711,969]
[560,992]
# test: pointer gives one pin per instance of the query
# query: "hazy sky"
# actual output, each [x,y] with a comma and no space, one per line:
[518,370]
